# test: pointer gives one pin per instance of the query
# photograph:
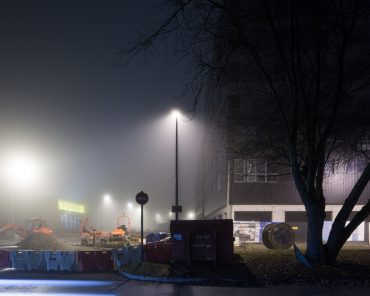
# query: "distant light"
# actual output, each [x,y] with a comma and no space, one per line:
[191,215]
[107,198]
[170,214]
[158,218]
[129,205]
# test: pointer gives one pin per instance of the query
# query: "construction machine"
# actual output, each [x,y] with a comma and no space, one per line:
[122,231]
[34,225]
[37,225]
[91,236]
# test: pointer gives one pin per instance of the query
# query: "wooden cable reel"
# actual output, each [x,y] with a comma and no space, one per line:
[278,236]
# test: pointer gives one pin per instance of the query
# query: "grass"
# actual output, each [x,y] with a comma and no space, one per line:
[254,264]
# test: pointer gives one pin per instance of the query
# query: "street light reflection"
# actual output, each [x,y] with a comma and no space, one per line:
[52,294]
[54,283]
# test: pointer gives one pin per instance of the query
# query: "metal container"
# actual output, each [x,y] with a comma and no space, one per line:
[202,240]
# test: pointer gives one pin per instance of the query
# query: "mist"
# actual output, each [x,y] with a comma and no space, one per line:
[87,129]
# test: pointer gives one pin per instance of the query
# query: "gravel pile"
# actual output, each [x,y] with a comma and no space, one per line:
[40,241]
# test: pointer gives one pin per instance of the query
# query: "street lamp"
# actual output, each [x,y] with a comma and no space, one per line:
[191,215]
[177,209]
[21,172]
[107,198]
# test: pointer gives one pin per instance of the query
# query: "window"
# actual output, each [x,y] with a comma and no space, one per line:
[239,170]
[272,172]
[254,170]
[356,165]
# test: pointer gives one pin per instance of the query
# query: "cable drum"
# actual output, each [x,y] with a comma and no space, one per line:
[278,236]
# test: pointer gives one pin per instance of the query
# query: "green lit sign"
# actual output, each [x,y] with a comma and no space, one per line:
[71,207]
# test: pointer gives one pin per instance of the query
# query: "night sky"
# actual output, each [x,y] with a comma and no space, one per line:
[95,128]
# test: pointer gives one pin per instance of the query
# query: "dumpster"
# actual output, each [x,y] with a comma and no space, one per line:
[202,240]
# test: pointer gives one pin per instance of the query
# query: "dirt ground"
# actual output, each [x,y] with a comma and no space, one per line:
[40,241]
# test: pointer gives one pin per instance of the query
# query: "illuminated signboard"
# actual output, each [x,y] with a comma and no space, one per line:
[71,207]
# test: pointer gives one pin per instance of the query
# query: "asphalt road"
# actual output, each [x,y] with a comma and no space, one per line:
[59,284]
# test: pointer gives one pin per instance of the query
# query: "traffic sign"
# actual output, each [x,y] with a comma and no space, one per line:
[176,209]
[142,198]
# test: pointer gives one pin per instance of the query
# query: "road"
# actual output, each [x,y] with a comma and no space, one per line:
[59,284]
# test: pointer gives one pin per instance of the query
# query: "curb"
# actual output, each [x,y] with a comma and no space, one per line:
[160,279]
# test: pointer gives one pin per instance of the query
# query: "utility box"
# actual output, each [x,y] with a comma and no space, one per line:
[202,240]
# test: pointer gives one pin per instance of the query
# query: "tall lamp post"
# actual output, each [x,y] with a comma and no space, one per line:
[177,168]
[176,208]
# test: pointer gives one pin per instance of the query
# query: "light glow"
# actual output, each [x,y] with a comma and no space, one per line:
[54,283]
[107,198]
[21,169]
[191,215]
[71,207]
[175,113]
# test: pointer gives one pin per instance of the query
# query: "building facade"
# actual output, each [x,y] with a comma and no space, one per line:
[252,190]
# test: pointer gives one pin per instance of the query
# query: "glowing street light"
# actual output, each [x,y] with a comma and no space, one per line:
[191,215]
[21,172]
[107,198]
[130,205]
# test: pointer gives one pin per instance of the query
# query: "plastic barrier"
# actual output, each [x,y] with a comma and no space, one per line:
[67,260]
[4,259]
[163,251]
[120,257]
[158,252]
[95,261]
[36,260]
[52,260]
[150,252]
[103,261]
[85,261]
[19,260]
[134,254]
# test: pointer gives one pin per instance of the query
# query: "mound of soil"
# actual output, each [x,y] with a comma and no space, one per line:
[40,241]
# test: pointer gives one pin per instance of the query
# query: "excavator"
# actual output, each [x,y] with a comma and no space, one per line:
[34,225]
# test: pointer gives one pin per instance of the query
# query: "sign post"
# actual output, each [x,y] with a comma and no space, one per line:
[142,198]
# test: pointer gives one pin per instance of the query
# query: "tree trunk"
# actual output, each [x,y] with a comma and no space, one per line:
[340,232]
[315,218]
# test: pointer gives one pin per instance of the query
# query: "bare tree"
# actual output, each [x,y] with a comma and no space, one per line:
[301,70]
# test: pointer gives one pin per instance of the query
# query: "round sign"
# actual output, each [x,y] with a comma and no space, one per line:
[142,198]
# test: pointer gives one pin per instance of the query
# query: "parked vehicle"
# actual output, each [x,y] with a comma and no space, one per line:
[157,236]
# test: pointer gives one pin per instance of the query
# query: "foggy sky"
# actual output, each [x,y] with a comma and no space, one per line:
[97,129]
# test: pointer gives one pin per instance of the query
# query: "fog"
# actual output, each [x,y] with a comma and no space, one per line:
[73,128]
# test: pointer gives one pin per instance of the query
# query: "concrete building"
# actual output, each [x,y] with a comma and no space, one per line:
[253,190]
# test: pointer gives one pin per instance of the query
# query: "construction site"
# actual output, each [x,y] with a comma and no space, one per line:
[36,235]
